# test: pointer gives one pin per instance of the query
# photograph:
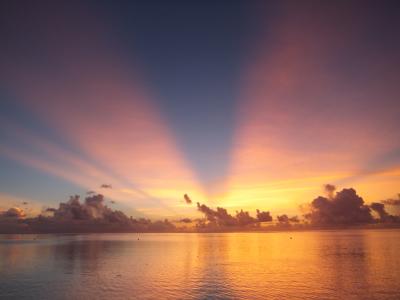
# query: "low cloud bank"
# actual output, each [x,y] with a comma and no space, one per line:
[284,219]
[220,218]
[340,208]
[91,215]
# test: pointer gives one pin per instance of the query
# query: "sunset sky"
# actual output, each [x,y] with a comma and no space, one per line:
[242,104]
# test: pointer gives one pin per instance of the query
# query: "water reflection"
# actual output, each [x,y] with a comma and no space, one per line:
[344,262]
[213,252]
[362,264]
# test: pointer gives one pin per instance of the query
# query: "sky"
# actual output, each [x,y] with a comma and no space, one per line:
[240,104]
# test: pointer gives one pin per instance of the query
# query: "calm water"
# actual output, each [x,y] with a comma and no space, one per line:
[359,264]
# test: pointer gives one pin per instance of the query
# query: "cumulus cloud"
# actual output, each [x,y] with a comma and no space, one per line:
[329,190]
[345,207]
[12,220]
[264,216]
[221,218]
[284,219]
[92,208]
[187,199]
[91,215]
[243,218]
[208,212]
[13,213]
[380,209]
[384,216]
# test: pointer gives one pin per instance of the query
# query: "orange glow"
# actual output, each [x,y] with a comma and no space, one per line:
[293,135]
[31,208]
[118,137]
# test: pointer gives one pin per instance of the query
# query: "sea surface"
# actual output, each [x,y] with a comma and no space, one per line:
[348,264]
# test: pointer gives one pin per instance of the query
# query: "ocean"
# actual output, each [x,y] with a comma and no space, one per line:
[345,264]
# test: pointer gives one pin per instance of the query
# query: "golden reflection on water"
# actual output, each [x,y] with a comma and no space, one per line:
[352,264]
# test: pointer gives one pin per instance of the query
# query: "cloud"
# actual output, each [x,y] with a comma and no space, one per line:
[346,207]
[208,212]
[329,190]
[91,215]
[187,199]
[93,208]
[380,209]
[243,218]
[392,202]
[13,213]
[384,216]
[264,216]
[286,220]
[221,218]
[185,220]
[106,186]
[283,219]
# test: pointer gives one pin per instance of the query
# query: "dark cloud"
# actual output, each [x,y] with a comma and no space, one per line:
[208,212]
[187,199]
[243,218]
[106,186]
[90,192]
[13,213]
[392,202]
[91,215]
[284,219]
[221,218]
[213,216]
[329,190]
[264,216]
[185,220]
[384,216]
[13,220]
[25,203]
[159,226]
[91,209]
[346,207]
[379,208]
